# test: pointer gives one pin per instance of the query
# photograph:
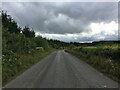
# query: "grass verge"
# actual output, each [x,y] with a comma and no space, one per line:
[104,64]
[17,64]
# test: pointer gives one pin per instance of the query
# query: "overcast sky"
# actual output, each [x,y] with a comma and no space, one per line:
[79,22]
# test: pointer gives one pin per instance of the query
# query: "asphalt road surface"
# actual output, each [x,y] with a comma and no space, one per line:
[61,70]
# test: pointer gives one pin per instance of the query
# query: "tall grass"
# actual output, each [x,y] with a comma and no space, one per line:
[104,58]
[14,64]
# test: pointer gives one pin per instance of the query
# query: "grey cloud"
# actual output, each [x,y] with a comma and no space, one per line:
[64,24]
[91,11]
[69,17]
[34,14]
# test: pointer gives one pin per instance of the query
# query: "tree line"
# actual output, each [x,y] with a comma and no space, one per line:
[19,40]
[23,40]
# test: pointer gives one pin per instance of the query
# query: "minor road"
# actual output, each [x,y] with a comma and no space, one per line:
[61,70]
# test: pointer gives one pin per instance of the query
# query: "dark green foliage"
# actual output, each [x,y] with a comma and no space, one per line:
[17,42]
[27,32]
[41,42]
[19,48]
[58,44]
[8,23]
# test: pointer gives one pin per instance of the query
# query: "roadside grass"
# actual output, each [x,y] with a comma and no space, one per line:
[105,59]
[14,65]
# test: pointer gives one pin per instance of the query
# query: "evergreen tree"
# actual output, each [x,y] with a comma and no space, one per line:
[27,32]
[8,23]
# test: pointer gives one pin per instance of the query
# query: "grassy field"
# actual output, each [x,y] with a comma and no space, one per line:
[105,58]
[13,65]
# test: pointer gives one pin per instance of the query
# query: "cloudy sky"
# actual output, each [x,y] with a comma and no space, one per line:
[68,21]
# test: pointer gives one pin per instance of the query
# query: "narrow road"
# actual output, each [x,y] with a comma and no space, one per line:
[61,70]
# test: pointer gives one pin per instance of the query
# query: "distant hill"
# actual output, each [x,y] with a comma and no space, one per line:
[95,43]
